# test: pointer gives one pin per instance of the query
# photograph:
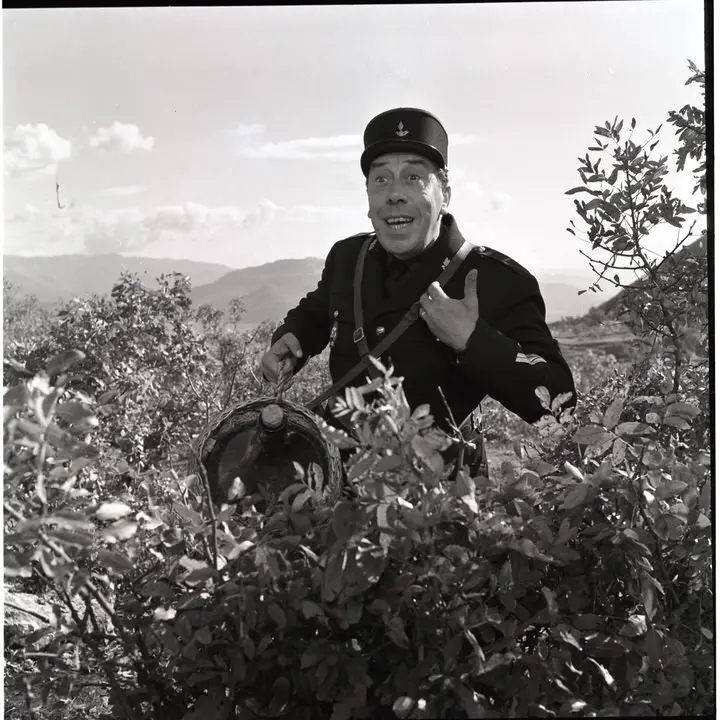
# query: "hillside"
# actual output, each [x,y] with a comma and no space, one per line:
[61,277]
[268,290]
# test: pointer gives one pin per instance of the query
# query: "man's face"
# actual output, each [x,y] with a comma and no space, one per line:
[406,202]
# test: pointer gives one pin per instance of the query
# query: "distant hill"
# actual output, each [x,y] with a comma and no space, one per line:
[60,277]
[613,306]
[268,291]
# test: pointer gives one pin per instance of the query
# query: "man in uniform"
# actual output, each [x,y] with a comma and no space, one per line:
[483,334]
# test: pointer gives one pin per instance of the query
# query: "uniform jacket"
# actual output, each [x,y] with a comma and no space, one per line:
[509,354]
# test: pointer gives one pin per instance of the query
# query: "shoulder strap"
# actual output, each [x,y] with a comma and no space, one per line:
[408,319]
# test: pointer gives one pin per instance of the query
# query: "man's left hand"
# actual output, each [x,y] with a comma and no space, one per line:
[451,321]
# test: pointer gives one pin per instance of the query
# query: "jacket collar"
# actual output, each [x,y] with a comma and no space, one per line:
[425,269]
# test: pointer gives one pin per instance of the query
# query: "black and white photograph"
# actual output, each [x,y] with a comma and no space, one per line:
[357,361]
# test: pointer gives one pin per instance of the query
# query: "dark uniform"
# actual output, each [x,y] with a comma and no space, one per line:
[510,353]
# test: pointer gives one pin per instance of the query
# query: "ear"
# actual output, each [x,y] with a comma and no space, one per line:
[447,193]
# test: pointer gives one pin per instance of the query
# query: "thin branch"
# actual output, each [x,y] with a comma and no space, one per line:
[210,504]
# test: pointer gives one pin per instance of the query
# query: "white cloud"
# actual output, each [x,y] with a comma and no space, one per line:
[243,130]
[121,191]
[35,149]
[121,137]
[500,201]
[88,228]
[335,147]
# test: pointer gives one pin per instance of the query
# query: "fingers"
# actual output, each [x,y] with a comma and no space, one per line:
[292,344]
[280,360]
[471,287]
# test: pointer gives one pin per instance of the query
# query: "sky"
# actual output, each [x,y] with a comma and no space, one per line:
[233,134]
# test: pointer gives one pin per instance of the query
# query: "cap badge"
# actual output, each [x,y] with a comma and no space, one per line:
[401,132]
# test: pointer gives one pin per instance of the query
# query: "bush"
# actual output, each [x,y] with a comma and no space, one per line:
[566,589]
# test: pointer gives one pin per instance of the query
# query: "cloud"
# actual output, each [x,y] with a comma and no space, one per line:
[500,201]
[35,149]
[121,191]
[244,130]
[121,137]
[88,228]
[334,147]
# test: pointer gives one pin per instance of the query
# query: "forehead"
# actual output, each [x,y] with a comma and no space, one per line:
[402,160]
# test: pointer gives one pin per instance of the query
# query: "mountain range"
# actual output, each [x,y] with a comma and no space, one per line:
[267,291]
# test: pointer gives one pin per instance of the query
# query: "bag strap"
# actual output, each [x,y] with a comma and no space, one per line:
[408,319]
[359,335]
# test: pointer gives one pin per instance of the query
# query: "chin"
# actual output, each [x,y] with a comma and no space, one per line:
[401,246]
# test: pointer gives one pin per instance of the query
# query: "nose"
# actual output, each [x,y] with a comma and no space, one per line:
[397,193]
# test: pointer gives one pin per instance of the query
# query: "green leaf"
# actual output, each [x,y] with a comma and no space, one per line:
[396,632]
[200,575]
[593,434]
[649,598]
[359,468]
[76,414]
[203,635]
[64,361]
[576,190]
[577,496]
[606,676]
[312,656]
[120,530]
[344,520]
[570,639]
[543,395]
[311,609]
[403,706]
[613,412]
[676,422]
[618,454]
[670,488]
[115,560]
[634,429]
[570,468]
[277,615]
[587,621]
[112,511]
[188,513]
[71,538]
[40,489]
[636,626]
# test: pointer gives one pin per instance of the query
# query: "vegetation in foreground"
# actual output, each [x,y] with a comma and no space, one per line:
[575,581]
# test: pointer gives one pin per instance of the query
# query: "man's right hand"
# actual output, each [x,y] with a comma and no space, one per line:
[279,361]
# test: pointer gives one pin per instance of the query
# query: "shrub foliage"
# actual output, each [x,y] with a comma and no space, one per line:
[575,581]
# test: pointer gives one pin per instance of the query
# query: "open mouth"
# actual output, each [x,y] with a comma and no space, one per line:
[399,222]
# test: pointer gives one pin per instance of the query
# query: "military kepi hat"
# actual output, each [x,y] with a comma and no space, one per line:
[406,130]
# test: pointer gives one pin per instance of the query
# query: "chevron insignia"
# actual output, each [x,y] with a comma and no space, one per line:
[529,359]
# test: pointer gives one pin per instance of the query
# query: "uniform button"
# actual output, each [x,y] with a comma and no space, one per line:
[380,330]
[336,313]
[481,248]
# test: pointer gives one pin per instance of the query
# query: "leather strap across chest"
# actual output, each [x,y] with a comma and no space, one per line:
[359,335]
